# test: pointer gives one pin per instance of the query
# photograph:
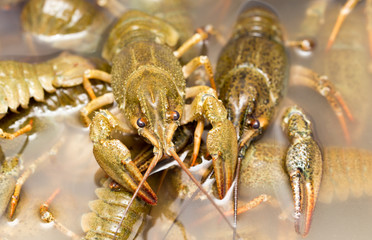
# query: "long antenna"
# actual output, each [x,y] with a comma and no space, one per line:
[242,152]
[184,168]
[182,165]
[236,192]
[184,207]
[153,163]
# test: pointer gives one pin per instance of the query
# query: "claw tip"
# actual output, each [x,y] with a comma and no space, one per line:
[13,205]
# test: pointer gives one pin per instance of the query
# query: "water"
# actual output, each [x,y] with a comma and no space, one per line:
[73,168]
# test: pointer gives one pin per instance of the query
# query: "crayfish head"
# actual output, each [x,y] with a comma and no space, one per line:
[255,116]
[155,109]
[249,102]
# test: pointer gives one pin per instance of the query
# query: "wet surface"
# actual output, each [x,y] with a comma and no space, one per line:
[73,168]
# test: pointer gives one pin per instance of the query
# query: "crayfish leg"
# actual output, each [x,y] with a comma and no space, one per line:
[94,74]
[19,132]
[47,216]
[197,62]
[368,12]
[200,35]
[302,76]
[344,12]
[28,172]
[250,205]
[94,105]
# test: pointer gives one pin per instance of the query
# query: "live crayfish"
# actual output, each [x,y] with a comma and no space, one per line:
[206,101]
[271,174]
[251,76]
[22,81]
[149,86]
[303,166]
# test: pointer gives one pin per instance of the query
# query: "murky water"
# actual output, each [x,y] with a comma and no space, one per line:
[73,168]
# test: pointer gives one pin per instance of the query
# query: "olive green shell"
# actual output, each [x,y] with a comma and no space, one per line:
[70,24]
[19,82]
[175,12]
[138,26]
[144,67]
[253,66]
[106,214]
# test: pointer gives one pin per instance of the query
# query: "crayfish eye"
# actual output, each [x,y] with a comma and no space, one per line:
[256,124]
[175,115]
[141,122]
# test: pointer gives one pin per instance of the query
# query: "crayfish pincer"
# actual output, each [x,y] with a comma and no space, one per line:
[304,166]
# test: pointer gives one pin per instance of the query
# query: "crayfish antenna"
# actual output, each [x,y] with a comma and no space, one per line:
[236,192]
[186,170]
[153,163]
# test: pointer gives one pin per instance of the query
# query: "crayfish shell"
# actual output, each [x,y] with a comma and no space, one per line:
[64,24]
[108,210]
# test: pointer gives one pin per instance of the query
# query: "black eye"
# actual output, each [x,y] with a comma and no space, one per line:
[141,122]
[175,115]
[256,124]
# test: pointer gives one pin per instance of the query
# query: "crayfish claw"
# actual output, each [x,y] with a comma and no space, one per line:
[222,146]
[222,143]
[115,158]
[304,166]
[304,197]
